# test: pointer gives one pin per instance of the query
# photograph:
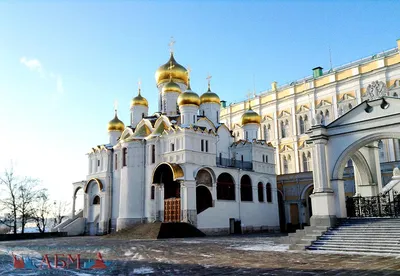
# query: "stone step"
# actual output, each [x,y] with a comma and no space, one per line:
[351,250]
[358,248]
[359,239]
[347,244]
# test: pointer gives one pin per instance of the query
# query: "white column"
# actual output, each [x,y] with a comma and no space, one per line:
[320,171]
[334,103]
[188,201]
[391,150]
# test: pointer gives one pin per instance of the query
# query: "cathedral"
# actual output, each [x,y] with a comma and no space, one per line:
[180,164]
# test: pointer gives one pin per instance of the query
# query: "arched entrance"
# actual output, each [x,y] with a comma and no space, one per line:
[306,202]
[168,175]
[204,183]
[282,215]
[78,201]
[225,187]
[333,145]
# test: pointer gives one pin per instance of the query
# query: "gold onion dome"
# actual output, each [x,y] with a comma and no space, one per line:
[210,97]
[139,100]
[177,71]
[188,98]
[116,124]
[171,86]
[251,117]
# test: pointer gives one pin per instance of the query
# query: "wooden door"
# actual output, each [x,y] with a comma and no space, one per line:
[172,210]
[294,214]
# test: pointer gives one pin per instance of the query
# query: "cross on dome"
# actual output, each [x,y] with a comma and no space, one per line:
[209,81]
[171,45]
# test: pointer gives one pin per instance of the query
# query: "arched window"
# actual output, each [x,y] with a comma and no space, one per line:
[326,116]
[301,125]
[96,200]
[269,192]
[289,159]
[322,117]
[395,95]
[309,163]
[340,111]
[152,192]
[265,133]
[246,192]
[283,130]
[260,192]
[305,163]
[285,165]
[306,126]
[124,154]
[287,130]
[269,131]
[225,187]
[350,106]
[382,155]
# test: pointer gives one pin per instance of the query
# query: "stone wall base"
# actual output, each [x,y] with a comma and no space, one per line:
[126,222]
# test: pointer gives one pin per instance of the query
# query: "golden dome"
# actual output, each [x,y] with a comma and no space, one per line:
[188,98]
[116,124]
[171,86]
[251,117]
[177,72]
[139,100]
[210,97]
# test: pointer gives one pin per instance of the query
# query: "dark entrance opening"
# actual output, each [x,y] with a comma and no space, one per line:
[203,199]
[281,206]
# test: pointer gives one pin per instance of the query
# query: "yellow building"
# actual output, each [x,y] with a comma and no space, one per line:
[287,112]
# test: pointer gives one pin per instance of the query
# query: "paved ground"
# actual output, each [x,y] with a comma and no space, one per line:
[234,255]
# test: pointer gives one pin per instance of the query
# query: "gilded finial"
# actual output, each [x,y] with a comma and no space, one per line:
[209,81]
[139,86]
[171,45]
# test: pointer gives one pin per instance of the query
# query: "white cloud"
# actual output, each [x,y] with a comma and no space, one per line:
[36,65]
[32,64]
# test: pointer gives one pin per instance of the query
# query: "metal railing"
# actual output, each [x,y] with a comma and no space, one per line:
[233,163]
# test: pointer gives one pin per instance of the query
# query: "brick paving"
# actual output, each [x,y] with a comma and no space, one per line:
[236,255]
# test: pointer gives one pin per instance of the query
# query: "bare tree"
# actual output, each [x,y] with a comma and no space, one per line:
[59,211]
[42,210]
[9,200]
[17,199]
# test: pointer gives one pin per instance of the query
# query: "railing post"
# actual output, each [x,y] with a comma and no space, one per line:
[379,206]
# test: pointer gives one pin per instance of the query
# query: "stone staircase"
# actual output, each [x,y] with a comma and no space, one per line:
[305,237]
[361,235]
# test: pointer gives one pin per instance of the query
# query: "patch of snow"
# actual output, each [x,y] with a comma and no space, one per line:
[191,242]
[137,256]
[205,255]
[155,250]
[143,270]
[263,247]
[128,253]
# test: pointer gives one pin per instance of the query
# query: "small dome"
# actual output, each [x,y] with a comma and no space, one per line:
[251,117]
[210,97]
[188,98]
[139,100]
[177,72]
[171,86]
[116,124]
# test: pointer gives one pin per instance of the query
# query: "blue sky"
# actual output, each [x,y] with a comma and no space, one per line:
[64,63]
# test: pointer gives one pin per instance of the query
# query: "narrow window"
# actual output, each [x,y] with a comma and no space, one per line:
[202,145]
[242,158]
[260,192]
[194,119]
[183,119]
[266,158]
[142,115]
[172,147]
[269,193]
[246,192]
[152,194]
[96,200]
[220,158]
[98,162]
[247,135]
[263,158]
[153,154]
[116,162]
[206,145]
[124,153]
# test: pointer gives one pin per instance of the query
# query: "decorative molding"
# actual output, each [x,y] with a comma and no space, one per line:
[376,90]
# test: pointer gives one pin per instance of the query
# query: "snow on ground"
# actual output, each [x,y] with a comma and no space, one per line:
[143,270]
[262,247]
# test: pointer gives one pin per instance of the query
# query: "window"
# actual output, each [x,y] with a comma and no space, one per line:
[260,192]
[266,158]
[124,154]
[269,192]
[142,115]
[395,94]
[153,154]
[350,106]
[206,145]
[327,115]
[265,133]
[183,119]
[202,145]
[194,119]
[96,200]
[217,117]
[172,147]
[263,158]
[246,192]
[309,164]
[225,187]
[285,165]
[203,113]
[116,161]
[241,158]
[98,162]
[247,135]
[220,158]
[287,128]
[301,125]
[152,192]
[322,117]
[305,162]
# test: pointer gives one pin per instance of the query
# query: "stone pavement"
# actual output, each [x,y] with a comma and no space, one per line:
[233,255]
